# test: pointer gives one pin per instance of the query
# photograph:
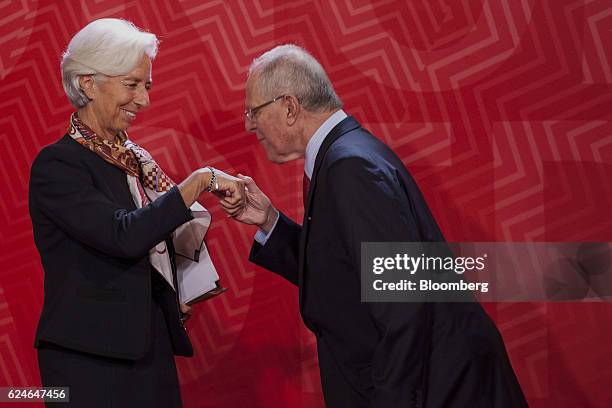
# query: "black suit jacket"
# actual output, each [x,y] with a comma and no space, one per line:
[381,354]
[94,247]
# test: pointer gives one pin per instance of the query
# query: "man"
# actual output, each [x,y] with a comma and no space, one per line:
[357,190]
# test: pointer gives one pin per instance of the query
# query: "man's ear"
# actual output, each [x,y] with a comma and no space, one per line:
[292,105]
[87,84]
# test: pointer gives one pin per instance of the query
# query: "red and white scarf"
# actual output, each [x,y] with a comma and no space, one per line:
[147,182]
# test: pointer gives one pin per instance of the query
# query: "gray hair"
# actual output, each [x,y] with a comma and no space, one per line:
[290,69]
[107,46]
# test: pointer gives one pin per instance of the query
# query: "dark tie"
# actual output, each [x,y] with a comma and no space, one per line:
[305,188]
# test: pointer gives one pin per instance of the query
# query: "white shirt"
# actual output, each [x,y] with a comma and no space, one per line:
[312,149]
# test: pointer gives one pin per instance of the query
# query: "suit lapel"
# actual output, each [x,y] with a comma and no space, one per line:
[345,126]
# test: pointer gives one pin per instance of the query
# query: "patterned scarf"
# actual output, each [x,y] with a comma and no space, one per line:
[147,181]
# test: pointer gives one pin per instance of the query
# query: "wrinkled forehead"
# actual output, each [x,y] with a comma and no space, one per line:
[142,71]
[252,90]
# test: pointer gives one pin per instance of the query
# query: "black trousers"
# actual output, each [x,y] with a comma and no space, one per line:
[97,381]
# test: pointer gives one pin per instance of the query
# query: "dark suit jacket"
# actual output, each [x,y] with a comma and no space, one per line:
[381,354]
[94,246]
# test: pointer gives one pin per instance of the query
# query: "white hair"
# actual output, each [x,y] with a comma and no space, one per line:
[107,46]
[290,69]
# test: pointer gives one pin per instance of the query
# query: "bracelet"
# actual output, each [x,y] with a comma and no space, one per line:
[213,185]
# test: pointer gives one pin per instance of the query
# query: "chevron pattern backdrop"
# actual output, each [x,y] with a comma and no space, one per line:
[500,108]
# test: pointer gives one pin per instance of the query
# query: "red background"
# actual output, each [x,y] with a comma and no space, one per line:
[500,109]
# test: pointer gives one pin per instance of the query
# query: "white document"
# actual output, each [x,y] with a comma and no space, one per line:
[195,279]
[196,275]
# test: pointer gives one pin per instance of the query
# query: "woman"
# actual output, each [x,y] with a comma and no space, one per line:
[103,214]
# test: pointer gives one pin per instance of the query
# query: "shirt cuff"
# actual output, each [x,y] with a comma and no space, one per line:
[261,237]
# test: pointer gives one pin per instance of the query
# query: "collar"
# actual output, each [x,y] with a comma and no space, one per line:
[315,142]
[115,153]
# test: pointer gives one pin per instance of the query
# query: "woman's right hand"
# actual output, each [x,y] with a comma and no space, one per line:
[231,191]
[228,188]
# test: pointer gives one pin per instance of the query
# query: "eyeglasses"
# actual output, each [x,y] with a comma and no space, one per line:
[250,113]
